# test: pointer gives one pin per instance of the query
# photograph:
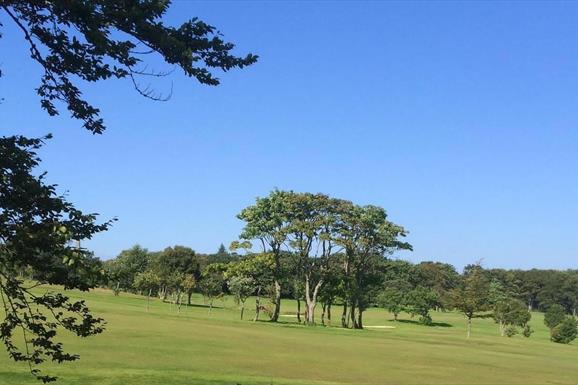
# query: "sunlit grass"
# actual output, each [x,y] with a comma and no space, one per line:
[193,347]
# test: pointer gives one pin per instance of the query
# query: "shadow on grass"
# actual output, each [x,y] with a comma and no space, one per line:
[197,305]
[278,322]
[438,324]
[303,325]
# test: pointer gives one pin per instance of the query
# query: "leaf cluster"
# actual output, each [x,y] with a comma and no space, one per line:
[100,39]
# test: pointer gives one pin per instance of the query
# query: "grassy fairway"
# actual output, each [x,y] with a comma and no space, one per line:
[163,347]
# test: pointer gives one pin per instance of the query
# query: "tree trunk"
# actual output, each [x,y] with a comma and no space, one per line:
[344,314]
[298,310]
[117,289]
[179,302]
[329,313]
[352,315]
[257,304]
[323,314]
[469,328]
[277,302]
[347,288]
[242,309]
[311,313]
[360,319]
[148,299]
[356,318]
[395,317]
[311,300]
[189,295]
[210,305]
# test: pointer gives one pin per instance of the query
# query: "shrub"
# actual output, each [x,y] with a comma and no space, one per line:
[566,331]
[527,332]
[511,331]
[554,316]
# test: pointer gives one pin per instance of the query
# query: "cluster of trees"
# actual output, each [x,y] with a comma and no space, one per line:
[314,248]
[508,296]
[324,251]
[321,245]
[417,289]
[540,289]
[395,285]
[172,273]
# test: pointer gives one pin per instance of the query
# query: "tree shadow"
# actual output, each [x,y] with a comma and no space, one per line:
[196,305]
[278,322]
[414,322]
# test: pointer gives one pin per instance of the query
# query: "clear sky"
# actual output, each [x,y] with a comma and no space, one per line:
[461,119]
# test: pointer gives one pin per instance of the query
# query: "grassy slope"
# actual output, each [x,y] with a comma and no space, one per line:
[163,347]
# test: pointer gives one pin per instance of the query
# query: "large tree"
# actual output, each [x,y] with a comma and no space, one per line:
[75,42]
[267,223]
[471,296]
[38,231]
[172,265]
[439,277]
[367,237]
[310,232]
[394,297]
[124,268]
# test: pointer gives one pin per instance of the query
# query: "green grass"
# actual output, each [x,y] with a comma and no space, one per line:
[162,347]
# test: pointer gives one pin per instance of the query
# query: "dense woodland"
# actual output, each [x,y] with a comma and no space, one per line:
[331,253]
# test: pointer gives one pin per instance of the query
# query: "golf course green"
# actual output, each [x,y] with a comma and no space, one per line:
[163,346]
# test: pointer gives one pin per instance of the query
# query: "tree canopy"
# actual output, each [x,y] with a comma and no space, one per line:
[38,231]
[471,296]
[315,228]
[88,41]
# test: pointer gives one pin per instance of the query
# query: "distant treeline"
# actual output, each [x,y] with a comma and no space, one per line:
[538,289]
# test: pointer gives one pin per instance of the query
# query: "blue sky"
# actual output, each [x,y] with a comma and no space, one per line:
[459,118]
